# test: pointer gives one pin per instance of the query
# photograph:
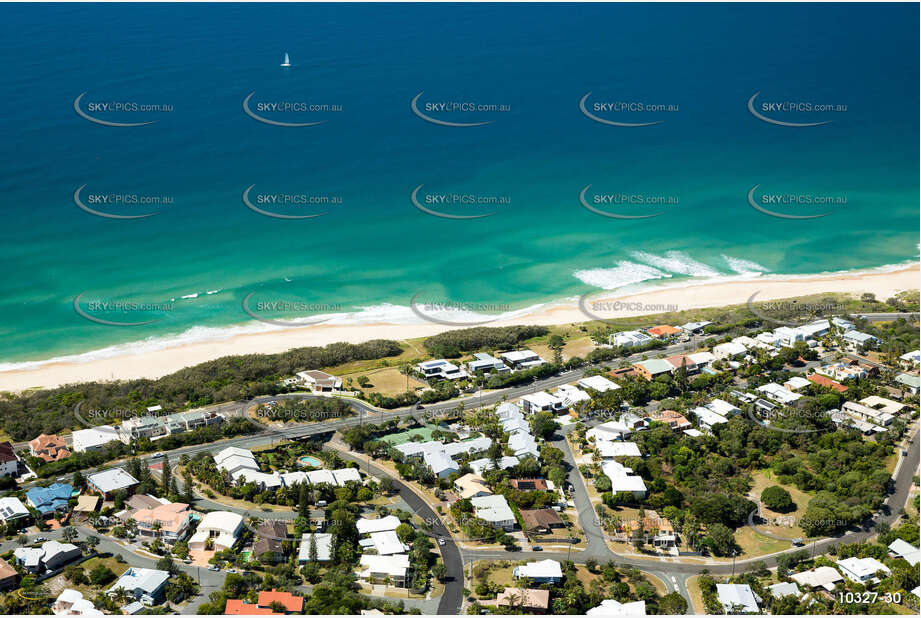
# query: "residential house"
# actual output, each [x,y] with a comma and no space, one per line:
[95,438]
[109,481]
[856,340]
[884,405]
[903,549]
[909,382]
[529,484]
[9,462]
[379,569]
[168,522]
[51,499]
[522,359]
[629,339]
[486,363]
[541,521]
[221,527]
[775,392]
[623,479]
[608,449]
[826,382]
[533,600]
[145,585]
[471,486]
[542,572]
[324,543]
[440,369]
[612,607]
[651,369]
[570,395]
[292,603]
[71,603]
[737,599]
[867,413]
[598,383]
[270,534]
[12,509]
[702,359]
[708,419]
[784,589]
[143,427]
[50,556]
[319,381]
[796,383]
[494,510]
[824,577]
[862,570]
[381,524]
[663,331]
[239,607]
[479,466]
[729,351]
[680,360]
[672,418]
[49,447]
[695,328]
[541,402]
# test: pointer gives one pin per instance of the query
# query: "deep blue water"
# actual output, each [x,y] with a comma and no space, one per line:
[376,248]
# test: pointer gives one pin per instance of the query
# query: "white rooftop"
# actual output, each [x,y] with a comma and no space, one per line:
[112,480]
[598,383]
[381,524]
[737,598]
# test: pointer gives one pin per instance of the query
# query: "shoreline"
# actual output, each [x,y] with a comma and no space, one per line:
[685,295]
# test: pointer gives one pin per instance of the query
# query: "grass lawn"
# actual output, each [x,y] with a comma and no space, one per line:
[779,523]
[386,381]
[754,544]
[395,439]
[697,598]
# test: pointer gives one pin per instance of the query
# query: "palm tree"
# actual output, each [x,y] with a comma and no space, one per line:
[69,533]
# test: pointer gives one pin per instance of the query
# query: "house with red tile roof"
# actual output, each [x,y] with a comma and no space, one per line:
[293,604]
[827,382]
[49,447]
[662,331]
[236,607]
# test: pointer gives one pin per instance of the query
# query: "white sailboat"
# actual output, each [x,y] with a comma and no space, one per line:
[287,61]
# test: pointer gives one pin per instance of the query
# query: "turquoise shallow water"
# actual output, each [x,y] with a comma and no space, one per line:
[373,252]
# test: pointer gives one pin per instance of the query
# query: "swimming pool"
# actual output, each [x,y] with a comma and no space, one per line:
[309,461]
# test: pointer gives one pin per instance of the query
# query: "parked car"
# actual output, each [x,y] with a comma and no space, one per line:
[441,541]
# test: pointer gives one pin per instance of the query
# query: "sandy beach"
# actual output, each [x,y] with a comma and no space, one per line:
[153,364]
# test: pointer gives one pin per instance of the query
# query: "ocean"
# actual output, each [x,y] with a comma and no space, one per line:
[183,274]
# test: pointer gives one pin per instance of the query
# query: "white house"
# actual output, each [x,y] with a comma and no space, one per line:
[629,339]
[522,359]
[862,570]
[221,526]
[381,524]
[494,510]
[598,383]
[796,383]
[12,509]
[486,363]
[723,408]
[904,549]
[867,413]
[776,392]
[542,572]
[479,466]
[609,448]
[856,339]
[384,568]
[570,395]
[319,381]
[94,439]
[708,419]
[737,599]
[324,543]
[824,577]
[71,603]
[541,402]
[441,368]
[611,607]
[728,350]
